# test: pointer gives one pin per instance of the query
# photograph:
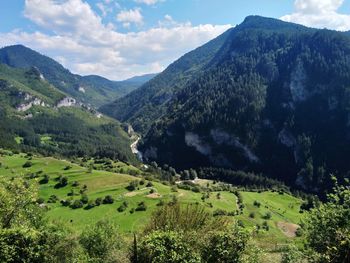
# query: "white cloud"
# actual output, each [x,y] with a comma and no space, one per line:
[130,16]
[319,14]
[104,8]
[149,2]
[79,40]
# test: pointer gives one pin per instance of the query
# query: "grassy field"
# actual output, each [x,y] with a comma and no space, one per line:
[282,208]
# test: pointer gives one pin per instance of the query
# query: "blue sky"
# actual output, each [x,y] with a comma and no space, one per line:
[121,38]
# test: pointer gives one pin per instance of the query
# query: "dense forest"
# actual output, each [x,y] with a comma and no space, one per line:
[271,97]
[32,120]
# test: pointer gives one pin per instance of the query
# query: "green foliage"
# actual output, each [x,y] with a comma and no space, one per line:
[166,246]
[18,204]
[226,247]
[103,243]
[108,199]
[27,164]
[327,227]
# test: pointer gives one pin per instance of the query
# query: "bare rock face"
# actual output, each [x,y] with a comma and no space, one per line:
[193,140]
[66,102]
[286,137]
[297,84]
[26,106]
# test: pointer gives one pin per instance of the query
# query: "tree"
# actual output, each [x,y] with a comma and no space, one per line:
[108,199]
[226,247]
[327,227]
[103,243]
[18,203]
[166,246]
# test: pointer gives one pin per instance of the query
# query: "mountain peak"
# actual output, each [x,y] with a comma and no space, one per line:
[260,22]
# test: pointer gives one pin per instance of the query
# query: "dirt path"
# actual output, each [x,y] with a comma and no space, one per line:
[288,229]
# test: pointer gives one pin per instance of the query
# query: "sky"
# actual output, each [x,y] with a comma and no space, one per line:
[119,39]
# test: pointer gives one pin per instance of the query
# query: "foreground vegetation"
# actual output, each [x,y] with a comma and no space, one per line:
[134,216]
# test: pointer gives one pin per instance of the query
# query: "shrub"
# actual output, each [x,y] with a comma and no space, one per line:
[166,246]
[252,215]
[98,201]
[132,185]
[90,205]
[141,206]
[27,164]
[149,184]
[257,203]
[219,212]
[66,202]
[62,182]
[267,216]
[84,198]
[75,184]
[77,204]
[45,179]
[53,199]
[68,167]
[108,199]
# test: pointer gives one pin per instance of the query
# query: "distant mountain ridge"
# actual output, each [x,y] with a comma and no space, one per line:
[266,96]
[93,90]
[35,116]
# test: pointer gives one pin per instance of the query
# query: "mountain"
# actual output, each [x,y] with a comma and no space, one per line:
[267,96]
[35,116]
[144,105]
[93,90]
[141,79]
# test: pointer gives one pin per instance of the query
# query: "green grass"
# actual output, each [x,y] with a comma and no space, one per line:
[283,208]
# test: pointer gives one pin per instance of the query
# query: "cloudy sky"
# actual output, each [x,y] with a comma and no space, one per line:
[118,39]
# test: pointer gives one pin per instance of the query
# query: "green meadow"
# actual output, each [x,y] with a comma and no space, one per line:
[278,211]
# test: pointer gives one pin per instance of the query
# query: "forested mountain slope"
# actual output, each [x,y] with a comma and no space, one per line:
[144,105]
[36,116]
[273,99]
[93,90]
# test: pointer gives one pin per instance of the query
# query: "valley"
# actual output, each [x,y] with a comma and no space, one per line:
[235,153]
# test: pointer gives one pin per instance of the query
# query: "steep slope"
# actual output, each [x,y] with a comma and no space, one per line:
[35,116]
[144,105]
[92,90]
[274,99]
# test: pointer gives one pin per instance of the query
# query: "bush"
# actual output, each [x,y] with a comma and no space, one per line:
[219,212]
[62,182]
[66,202]
[257,203]
[77,204]
[252,215]
[84,198]
[108,199]
[141,206]
[149,184]
[98,201]
[75,184]
[103,243]
[90,205]
[166,246]
[267,216]
[68,167]
[132,186]
[45,179]
[53,199]
[27,164]
[122,207]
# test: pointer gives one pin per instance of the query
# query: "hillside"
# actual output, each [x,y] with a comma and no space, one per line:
[93,90]
[99,183]
[144,105]
[35,116]
[267,96]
